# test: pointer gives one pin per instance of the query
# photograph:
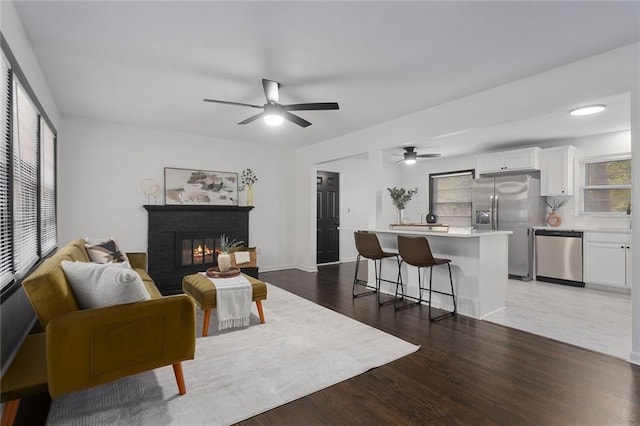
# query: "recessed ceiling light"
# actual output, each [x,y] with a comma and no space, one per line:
[586,110]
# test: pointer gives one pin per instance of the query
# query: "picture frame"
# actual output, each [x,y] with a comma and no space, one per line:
[200,187]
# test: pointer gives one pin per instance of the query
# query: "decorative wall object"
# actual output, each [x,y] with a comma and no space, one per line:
[150,188]
[200,187]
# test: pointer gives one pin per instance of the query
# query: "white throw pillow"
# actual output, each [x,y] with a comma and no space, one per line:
[105,250]
[98,285]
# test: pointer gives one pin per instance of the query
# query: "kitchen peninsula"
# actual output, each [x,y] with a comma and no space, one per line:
[479,266]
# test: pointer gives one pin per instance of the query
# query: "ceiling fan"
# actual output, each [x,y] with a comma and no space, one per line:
[410,155]
[273,112]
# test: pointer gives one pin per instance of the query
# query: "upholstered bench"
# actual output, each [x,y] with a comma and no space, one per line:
[203,292]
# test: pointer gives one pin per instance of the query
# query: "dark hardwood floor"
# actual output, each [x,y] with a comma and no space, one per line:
[466,371]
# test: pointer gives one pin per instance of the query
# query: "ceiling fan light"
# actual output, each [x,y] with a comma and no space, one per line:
[587,110]
[410,161]
[273,119]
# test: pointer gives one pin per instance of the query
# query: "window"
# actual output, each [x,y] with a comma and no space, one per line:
[607,186]
[27,177]
[6,244]
[450,197]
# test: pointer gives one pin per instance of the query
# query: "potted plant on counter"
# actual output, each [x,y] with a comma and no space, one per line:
[400,198]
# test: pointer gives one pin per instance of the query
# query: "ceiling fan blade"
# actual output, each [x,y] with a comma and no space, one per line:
[429,155]
[271,90]
[231,103]
[252,118]
[295,119]
[314,106]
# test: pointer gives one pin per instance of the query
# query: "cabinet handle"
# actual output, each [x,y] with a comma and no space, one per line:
[621,247]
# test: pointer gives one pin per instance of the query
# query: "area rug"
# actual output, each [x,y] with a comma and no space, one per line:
[237,374]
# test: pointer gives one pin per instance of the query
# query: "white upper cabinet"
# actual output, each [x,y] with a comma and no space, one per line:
[508,161]
[556,171]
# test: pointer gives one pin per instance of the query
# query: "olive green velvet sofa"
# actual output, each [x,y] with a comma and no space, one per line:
[86,348]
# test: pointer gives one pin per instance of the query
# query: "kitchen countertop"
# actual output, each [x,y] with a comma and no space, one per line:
[584,229]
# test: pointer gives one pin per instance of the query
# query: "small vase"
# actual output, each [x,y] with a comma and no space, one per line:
[249,195]
[224,262]
[400,218]
[554,218]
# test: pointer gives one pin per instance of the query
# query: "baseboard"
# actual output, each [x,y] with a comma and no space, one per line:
[276,268]
[312,268]
[349,260]
[634,358]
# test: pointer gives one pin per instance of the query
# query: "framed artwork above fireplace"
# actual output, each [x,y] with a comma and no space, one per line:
[200,187]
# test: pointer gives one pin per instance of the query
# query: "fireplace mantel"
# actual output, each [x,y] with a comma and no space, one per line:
[169,225]
[178,207]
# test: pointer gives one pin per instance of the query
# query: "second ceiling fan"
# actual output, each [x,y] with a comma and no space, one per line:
[411,155]
[273,112]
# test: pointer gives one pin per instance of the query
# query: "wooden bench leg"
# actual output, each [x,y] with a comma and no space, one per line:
[205,323]
[260,312]
[177,371]
[9,412]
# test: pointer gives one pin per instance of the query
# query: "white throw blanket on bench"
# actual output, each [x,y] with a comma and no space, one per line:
[233,301]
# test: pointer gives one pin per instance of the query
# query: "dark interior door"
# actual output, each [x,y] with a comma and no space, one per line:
[328,209]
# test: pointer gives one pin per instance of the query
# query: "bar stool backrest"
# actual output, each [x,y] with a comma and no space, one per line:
[415,251]
[368,245]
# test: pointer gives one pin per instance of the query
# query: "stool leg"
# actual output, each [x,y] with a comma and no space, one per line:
[260,312]
[357,281]
[9,412]
[379,283]
[453,294]
[205,323]
[447,314]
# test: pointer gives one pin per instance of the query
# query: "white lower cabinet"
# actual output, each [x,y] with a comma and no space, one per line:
[607,259]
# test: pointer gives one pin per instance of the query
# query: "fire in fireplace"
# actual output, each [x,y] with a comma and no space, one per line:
[198,251]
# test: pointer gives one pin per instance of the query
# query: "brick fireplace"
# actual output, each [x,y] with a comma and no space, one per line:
[182,240]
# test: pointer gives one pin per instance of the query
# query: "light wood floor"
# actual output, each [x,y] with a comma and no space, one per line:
[584,317]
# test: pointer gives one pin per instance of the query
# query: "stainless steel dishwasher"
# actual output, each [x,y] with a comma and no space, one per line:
[559,257]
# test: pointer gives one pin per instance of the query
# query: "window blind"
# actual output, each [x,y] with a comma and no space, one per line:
[6,251]
[450,197]
[25,181]
[48,238]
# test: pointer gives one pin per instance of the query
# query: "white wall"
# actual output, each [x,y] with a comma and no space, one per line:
[101,165]
[18,42]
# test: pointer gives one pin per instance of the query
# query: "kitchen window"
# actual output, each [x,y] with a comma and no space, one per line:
[607,186]
[450,197]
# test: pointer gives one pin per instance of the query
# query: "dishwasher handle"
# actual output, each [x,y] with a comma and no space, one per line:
[557,233]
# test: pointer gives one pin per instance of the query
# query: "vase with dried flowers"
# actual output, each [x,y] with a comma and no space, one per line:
[400,197]
[247,179]
[554,219]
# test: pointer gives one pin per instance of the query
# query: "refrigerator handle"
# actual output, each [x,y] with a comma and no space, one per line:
[495,213]
[491,213]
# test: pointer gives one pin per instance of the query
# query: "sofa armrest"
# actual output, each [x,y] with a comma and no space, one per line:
[138,260]
[91,347]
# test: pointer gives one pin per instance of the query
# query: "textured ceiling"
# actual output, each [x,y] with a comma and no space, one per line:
[151,63]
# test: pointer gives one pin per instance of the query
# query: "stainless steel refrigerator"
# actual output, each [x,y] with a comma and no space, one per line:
[510,203]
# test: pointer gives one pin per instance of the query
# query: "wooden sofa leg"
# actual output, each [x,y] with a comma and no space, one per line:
[260,312]
[177,370]
[205,323]
[9,412]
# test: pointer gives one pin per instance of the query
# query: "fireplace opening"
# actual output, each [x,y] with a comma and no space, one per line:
[198,251]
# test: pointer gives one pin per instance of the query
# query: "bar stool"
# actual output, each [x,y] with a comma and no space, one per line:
[368,247]
[416,251]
